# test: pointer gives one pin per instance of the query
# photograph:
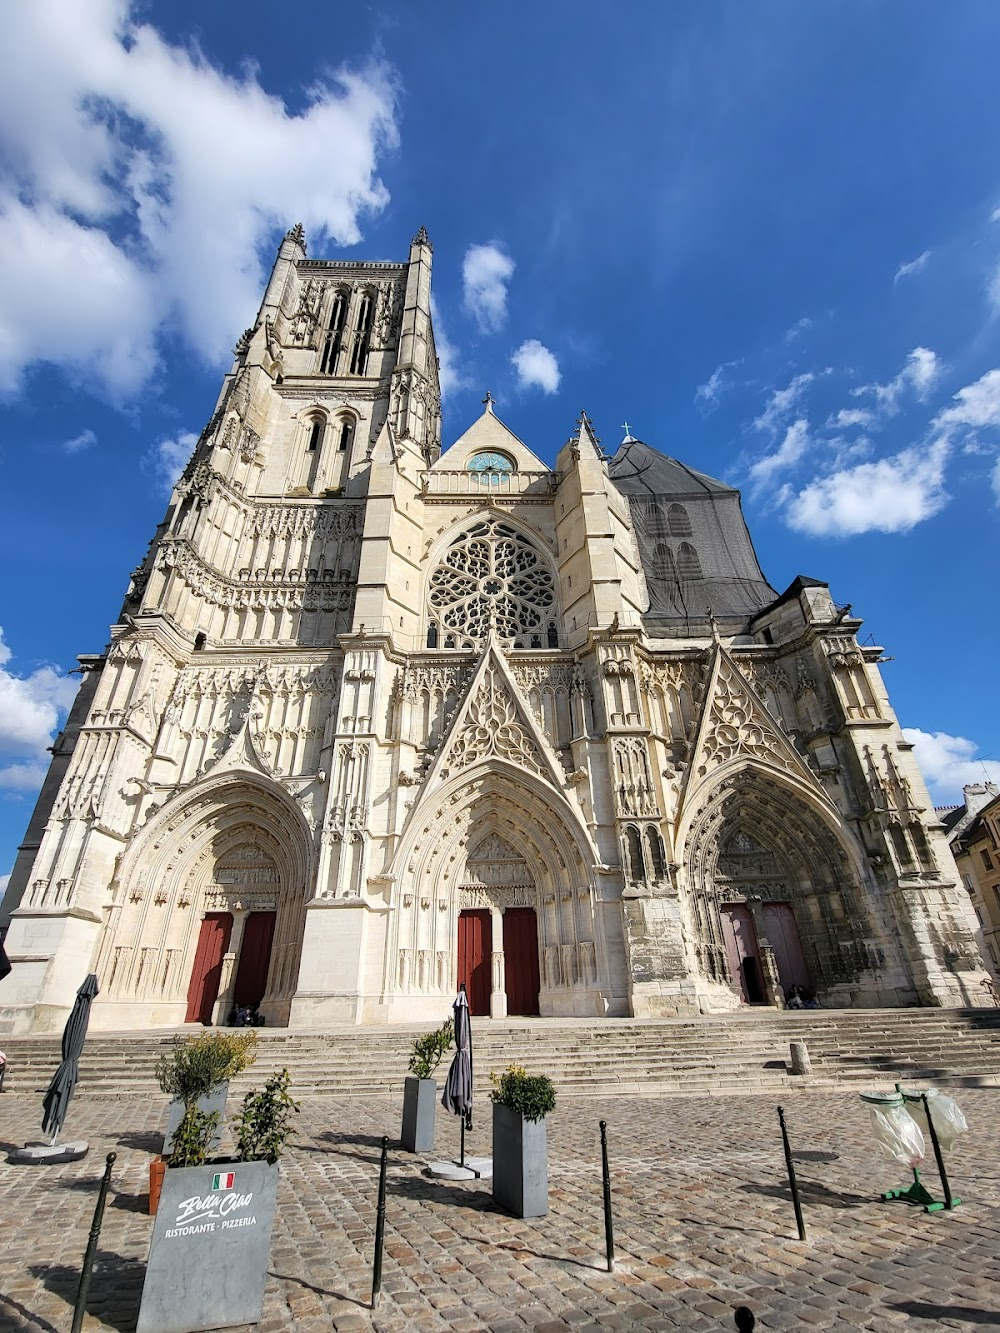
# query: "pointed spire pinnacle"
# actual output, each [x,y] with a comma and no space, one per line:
[422,238]
[297,236]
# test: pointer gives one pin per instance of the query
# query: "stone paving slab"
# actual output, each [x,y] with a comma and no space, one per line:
[703,1223]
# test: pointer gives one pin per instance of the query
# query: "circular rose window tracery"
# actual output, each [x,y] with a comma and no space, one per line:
[493,577]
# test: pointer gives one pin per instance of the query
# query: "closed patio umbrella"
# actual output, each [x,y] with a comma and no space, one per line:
[64,1080]
[457,1095]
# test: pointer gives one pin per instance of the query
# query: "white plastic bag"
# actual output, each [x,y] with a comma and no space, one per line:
[896,1132]
[949,1122]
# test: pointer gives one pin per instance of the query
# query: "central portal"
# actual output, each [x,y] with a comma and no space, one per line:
[520,949]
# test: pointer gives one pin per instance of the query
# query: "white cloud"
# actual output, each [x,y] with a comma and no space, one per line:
[707,395]
[800,326]
[793,446]
[914,266]
[536,366]
[995,215]
[142,184]
[995,481]
[889,495]
[850,416]
[948,763]
[994,289]
[920,372]
[84,440]
[4,881]
[31,708]
[486,271]
[449,374]
[976,404]
[167,459]
[782,403]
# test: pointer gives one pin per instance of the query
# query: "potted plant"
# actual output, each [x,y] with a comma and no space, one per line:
[196,1072]
[208,1254]
[420,1088]
[521,1101]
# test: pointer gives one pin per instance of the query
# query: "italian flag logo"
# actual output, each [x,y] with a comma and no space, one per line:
[224,1180]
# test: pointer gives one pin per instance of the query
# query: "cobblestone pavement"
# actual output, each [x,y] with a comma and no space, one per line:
[703,1223]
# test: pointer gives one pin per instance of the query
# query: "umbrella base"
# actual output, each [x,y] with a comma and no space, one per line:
[475,1168]
[43,1153]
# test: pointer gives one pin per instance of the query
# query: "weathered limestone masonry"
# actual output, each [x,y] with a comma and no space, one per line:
[377,718]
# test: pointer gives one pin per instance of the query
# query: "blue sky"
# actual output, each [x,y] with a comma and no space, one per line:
[766,235]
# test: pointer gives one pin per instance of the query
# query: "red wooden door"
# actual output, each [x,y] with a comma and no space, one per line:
[520,951]
[742,950]
[475,944]
[255,959]
[207,971]
[783,937]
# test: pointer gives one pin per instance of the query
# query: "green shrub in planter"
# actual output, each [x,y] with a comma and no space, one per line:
[263,1126]
[532,1096]
[430,1049]
[196,1066]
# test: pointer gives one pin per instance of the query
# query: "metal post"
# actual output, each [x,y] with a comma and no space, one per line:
[91,1250]
[609,1226]
[461,1154]
[791,1174]
[949,1201]
[380,1224]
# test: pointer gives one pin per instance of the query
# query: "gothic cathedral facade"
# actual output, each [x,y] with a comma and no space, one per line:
[377,718]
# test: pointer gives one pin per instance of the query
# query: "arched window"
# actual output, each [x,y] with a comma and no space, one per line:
[663,562]
[333,339]
[316,435]
[655,845]
[363,334]
[678,523]
[314,448]
[346,436]
[633,852]
[493,578]
[688,564]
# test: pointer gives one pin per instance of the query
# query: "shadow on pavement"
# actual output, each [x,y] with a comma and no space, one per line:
[320,1291]
[115,1287]
[810,1192]
[25,1319]
[926,1310]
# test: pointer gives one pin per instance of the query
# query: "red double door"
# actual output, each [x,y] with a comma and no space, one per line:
[251,969]
[743,949]
[520,947]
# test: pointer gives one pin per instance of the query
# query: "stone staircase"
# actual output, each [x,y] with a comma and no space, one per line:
[738,1053]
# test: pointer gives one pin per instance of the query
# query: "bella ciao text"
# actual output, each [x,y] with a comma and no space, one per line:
[202,1212]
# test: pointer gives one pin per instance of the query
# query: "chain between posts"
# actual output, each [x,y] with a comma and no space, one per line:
[88,1258]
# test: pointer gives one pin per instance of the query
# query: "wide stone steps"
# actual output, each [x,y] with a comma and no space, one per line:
[746,1051]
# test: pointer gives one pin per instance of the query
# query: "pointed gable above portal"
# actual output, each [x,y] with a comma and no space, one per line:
[735,724]
[495,722]
[488,434]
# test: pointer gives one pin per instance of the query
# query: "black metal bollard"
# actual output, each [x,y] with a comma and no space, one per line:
[791,1175]
[380,1224]
[609,1225]
[949,1200]
[745,1322]
[88,1258]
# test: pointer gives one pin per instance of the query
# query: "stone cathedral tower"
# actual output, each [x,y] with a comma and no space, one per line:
[375,719]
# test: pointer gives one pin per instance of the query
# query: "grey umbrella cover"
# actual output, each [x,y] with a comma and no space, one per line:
[457,1095]
[56,1100]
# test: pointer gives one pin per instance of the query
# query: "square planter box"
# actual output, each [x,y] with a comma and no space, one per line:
[520,1164]
[208,1254]
[419,1102]
[215,1101]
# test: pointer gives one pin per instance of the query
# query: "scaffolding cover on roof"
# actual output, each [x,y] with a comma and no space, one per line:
[693,542]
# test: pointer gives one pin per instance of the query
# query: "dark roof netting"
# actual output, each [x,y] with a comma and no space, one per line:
[693,542]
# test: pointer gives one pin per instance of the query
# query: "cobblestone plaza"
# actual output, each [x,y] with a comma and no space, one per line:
[703,1220]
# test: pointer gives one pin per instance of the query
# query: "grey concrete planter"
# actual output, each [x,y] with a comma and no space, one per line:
[208,1254]
[419,1101]
[214,1101]
[520,1163]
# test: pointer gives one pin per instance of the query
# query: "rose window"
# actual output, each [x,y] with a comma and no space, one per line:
[492,578]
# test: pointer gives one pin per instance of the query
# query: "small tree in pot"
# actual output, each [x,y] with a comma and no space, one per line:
[196,1072]
[208,1254]
[420,1088]
[521,1101]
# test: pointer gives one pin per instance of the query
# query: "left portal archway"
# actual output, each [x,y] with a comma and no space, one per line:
[209,908]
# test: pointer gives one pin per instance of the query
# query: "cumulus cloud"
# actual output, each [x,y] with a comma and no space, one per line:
[449,373]
[975,405]
[850,416]
[536,366]
[888,495]
[31,709]
[142,185]
[84,440]
[783,402]
[914,266]
[920,372]
[791,449]
[168,458]
[486,271]
[707,395]
[800,326]
[948,764]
